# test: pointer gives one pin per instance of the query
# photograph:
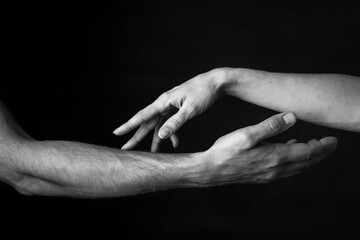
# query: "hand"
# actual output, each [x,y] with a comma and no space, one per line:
[190,99]
[241,157]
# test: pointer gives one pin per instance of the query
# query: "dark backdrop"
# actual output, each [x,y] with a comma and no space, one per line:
[77,71]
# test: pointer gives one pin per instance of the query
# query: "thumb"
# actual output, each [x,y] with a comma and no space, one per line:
[173,123]
[270,127]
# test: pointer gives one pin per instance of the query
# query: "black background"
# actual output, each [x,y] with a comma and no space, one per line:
[77,71]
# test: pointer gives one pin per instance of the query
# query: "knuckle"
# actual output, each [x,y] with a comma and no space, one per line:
[247,140]
[276,157]
[306,154]
[165,96]
[175,123]
[141,112]
[270,176]
[141,115]
[275,125]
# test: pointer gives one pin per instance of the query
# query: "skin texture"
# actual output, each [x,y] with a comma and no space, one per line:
[330,100]
[73,169]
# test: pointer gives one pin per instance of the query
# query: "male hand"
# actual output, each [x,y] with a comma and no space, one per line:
[241,157]
[190,99]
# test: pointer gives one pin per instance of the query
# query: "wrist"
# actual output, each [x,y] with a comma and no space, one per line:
[225,80]
[193,173]
[233,78]
[220,78]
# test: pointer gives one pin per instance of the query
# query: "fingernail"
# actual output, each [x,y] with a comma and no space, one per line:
[124,146]
[164,133]
[289,118]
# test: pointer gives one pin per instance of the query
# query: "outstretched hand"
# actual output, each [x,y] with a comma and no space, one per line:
[242,157]
[172,109]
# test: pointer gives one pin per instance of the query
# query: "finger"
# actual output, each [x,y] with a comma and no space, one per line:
[322,146]
[173,123]
[141,133]
[174,140]
[292,141]
[319,149]
[142,116]
[156,141]
[268,128]
[297,167]
[314,149]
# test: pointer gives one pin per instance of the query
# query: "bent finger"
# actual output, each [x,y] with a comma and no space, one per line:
[156,141]
[141,133]
[173,123]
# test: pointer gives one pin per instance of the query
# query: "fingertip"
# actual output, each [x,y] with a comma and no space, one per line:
[127,145]
[118,131]
[123,147]
[115,132]
[289,118]
[174,140]
[154,148]
[330,140]
[164,133]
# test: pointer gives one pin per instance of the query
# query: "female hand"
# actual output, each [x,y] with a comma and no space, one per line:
[173,108]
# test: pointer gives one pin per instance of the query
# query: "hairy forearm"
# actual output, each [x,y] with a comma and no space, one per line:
[60,168]
[331,100]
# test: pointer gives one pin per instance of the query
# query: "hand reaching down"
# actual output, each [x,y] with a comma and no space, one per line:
[173,108]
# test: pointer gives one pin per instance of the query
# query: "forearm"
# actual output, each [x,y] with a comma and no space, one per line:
[331,100]
[59,168]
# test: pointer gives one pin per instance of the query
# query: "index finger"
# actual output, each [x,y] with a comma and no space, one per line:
[139,118]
